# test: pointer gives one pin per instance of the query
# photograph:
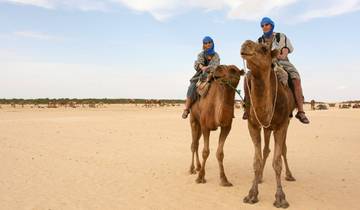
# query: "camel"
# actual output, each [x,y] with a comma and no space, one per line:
[344,106]
[132,101]
[271,104]
[332,105]
[312,104]
[52,105]
[356,106]
[72,104]
[321,107]
[149,103]
[214,110]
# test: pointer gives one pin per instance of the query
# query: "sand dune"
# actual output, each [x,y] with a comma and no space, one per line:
[127,157]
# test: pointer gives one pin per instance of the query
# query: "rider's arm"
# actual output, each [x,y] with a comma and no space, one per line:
[214,62]
[199,63]
[285,43]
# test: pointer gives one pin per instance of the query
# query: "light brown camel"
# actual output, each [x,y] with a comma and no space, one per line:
[271,106]
[214,110]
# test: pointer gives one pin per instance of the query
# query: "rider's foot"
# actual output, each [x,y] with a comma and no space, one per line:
[302,118]
[185,113]
[245,116]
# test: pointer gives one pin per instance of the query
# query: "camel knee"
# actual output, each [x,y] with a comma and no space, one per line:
[266,151]
[205,153]
[220,156]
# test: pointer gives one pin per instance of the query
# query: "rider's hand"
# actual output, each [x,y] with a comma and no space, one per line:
[284,53]
[204,68]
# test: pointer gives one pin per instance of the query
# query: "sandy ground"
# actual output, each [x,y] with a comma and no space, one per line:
[127,157]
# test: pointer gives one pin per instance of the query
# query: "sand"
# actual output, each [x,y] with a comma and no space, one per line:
[128,157]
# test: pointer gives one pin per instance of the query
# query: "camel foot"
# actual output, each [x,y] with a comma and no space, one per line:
[281,204]
[225,183]
[280,201]
[252,197]
[192,170]
[290,178]
[200,180]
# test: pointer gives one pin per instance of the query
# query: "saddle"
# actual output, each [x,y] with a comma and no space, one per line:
[281,73]
[283,76]
[203,85]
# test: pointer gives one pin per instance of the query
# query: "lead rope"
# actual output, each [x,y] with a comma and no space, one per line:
[251,101]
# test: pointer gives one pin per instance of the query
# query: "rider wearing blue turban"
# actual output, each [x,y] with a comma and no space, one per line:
[280,42]
[265,21]
[206,62]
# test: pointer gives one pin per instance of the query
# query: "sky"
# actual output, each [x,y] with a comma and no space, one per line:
[146,48]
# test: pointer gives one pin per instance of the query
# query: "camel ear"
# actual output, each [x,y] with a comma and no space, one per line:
[242,72]
[274,53]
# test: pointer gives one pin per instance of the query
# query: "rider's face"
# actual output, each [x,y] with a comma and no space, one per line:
[207,45]
[266,27]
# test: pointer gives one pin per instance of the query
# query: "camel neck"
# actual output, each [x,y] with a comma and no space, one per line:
[262,93]
[226,95]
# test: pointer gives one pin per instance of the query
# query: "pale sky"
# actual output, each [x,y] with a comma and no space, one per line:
[146,49]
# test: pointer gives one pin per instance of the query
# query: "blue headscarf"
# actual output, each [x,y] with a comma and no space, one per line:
[267,20]
[210,51]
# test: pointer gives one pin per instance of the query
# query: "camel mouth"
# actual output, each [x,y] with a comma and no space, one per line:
[247,54]
[217,76]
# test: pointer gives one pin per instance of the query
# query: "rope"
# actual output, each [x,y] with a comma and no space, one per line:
[251,101]
[228,83]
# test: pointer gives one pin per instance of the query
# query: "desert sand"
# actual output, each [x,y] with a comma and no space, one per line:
[130,157]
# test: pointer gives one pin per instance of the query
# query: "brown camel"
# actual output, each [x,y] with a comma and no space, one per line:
[132,101]
[214,110]
[270,108]
[312,104]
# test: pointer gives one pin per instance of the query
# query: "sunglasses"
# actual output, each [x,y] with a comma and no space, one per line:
[207,42]
[267,24]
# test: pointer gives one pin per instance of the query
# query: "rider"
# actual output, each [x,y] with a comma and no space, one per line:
[282,43]
[206,61]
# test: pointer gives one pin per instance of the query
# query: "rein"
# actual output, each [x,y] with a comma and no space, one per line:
[224,81]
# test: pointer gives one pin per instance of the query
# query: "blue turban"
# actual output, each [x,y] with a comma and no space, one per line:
[267,20]
[210,51]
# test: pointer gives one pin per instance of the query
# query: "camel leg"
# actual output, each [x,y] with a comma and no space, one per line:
[196,134]
[280,136]
[205,155]
[266,151]
[252,197]
[289,176]
[220,156]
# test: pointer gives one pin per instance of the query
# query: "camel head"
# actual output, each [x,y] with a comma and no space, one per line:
[229,73]
[257,56]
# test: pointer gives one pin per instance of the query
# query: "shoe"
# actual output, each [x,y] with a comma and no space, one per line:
[245,116]
[185,113]
[302,118]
